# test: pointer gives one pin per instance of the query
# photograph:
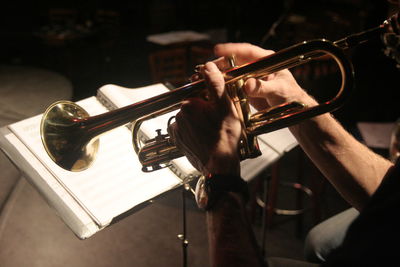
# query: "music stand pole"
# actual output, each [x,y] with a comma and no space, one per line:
[182,236]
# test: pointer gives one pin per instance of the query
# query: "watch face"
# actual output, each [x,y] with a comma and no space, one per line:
[201,193]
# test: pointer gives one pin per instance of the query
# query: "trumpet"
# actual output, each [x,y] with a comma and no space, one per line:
[71,137]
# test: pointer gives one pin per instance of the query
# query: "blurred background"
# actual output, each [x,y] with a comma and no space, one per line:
[97,42]
[91,43]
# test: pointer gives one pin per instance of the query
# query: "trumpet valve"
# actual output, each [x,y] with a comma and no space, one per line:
[156,153]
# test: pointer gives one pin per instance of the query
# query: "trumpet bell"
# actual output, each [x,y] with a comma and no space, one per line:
[63,138]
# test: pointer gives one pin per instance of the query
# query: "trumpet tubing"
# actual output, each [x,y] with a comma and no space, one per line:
[70,136]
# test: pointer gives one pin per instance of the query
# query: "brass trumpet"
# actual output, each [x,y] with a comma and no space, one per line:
[70,136]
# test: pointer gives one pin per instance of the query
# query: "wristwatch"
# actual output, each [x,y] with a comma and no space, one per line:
[209,189]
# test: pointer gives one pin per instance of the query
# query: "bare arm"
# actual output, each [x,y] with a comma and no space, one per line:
[352,168]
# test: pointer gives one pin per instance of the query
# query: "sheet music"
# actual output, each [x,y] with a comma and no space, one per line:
[103,190]
[250,168]
[280,141]
[56,195]
[122,96]
[273,146]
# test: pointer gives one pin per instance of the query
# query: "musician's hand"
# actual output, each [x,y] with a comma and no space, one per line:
[207,132]
[277,88]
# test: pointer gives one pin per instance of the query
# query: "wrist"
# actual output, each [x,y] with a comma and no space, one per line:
[229,165]
[211,188]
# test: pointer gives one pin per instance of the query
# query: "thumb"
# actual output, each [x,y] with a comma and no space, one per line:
[260,88]
[271,91]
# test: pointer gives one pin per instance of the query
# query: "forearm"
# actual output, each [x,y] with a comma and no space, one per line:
[353,169]
[231,238]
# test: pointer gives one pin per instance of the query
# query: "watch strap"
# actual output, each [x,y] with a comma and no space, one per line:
[209,189]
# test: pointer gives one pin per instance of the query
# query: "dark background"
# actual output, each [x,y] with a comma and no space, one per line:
[105,42]
[108,40]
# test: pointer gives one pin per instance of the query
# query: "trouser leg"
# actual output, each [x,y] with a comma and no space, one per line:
[328,235]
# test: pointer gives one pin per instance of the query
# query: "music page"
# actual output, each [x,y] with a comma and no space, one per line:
[114,183]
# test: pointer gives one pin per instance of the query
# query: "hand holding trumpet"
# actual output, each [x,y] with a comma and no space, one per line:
[211,144]
[273,90]
[208,131]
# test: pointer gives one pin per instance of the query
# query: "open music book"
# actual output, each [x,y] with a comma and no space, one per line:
[114,186]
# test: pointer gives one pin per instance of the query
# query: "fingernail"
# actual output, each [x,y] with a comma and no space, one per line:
[210,67]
